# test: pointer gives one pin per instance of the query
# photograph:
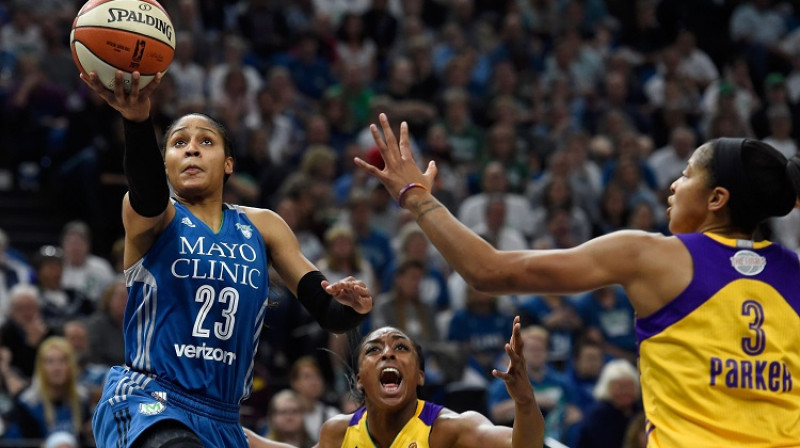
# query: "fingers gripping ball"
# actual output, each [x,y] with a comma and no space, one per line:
[126,35]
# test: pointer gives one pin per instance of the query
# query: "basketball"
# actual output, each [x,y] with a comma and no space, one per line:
[126,35]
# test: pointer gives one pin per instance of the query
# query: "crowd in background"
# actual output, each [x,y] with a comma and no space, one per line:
[551,122]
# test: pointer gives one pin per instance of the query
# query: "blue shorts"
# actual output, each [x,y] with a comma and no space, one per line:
[132,402]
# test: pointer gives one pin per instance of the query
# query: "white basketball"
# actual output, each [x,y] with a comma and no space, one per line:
[126,35]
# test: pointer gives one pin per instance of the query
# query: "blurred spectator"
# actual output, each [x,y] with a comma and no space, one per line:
[776,93]
[306,380]
[22,35]
[54,401]
[61,439]
[343,258]
[263,24]
[412,244]
[106,339]
[373,243]
[695,64]
[558,194]
[90,376]
[13,271]
[669,161]
[281,135]
[558,315]
[381,26]
[502,146]
[786,230]
[234,52]
[758,26]
[25,329]
[285,420]
[465,138]
[614,210]
[355,92]
[83,271]
[58,303]
[495,230]
[403,308]
[584,370]
[190,77]
[608,317]
[480,329]
[472,211]
[618,400]
[354,48]
[310,72]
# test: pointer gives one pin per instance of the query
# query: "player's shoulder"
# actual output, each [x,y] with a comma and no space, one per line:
[450,424]
[335,427]
[262,218]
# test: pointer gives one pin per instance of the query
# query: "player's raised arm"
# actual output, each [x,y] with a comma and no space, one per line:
[586,267]
[146,206]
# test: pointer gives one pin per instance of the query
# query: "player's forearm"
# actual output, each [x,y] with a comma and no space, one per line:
[467,252]
[528,429]
[144,169]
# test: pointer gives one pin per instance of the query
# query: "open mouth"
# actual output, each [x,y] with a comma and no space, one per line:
[390,379]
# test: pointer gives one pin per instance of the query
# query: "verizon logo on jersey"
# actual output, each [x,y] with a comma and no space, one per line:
[204,352]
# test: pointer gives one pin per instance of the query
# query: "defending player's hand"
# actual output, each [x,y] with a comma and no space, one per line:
[350,292]
[516,376]
[400,168]
[134,105]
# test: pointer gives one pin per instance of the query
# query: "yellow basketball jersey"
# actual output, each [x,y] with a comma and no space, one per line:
[414,434]
[718,362]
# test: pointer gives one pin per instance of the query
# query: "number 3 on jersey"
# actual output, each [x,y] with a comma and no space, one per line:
[755,345]
[206,295]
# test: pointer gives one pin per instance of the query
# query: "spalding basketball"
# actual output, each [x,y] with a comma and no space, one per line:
[126,35]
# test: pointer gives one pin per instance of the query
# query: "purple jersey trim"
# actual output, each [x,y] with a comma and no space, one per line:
[429,413]
[357,416]
[713,270]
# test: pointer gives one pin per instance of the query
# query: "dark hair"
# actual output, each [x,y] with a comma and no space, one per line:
[227,140]
[761,182]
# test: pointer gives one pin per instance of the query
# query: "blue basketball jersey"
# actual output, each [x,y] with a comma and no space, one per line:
[196,303]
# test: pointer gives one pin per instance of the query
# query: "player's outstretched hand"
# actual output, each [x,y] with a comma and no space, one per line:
[351,292]
[516,376]
[400,168]
[134,105]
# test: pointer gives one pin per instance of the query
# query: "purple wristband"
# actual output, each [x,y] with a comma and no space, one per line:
[405,189]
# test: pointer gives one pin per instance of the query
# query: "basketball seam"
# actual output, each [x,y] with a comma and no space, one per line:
[169,44]
[126,70]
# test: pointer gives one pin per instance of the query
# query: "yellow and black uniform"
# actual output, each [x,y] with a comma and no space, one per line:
[718,362]
[414,434]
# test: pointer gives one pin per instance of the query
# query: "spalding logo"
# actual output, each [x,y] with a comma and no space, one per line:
[747,262]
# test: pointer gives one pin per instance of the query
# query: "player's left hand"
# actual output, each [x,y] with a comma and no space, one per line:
[351,292]
[516,376]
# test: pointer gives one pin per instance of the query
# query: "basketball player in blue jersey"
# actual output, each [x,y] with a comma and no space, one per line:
[390,368]
[196,271]
[717,311]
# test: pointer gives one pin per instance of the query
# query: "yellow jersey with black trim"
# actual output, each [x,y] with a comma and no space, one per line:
[415,433]
[718,362]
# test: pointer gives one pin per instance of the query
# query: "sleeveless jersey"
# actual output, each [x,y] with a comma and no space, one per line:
[718,362]
[414,434]
[196,303]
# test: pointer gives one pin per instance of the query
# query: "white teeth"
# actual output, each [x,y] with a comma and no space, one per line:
[390,369]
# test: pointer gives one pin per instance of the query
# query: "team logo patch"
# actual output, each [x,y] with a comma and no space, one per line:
[246,229]
[747,262]
[152,408]
[187,222]
[412,445]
